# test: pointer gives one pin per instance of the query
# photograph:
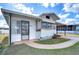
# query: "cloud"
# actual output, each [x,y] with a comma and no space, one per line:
[46,5]
[52,4]
[3,23]
[62,16]
[66,7]
[70,21]
[22,8]
[35,14]
[77,16]
[67,21]
[0,7]
[77,23]
[0,13]
[69,7]
[0,10]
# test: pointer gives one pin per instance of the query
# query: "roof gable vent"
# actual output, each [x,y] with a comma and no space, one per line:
[47,17]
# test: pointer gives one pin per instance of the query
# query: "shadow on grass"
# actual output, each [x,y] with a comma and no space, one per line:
[26,50]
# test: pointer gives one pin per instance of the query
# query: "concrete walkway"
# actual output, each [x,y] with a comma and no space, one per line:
[51,46]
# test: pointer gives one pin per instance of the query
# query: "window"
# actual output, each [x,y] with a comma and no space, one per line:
[24,27]
[46,25]
[38,25]
[18,27]
[48,17]
[53,26]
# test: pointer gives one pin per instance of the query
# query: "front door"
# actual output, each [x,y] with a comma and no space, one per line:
[24,30]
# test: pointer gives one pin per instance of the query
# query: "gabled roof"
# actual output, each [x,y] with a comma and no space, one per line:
[31,16]
[51,14]
[57,23]
[18,13]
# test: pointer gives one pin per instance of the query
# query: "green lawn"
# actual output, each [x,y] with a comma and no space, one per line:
[52,41]
[26,50]
[75,35]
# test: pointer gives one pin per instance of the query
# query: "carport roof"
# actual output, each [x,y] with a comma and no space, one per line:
[18,13]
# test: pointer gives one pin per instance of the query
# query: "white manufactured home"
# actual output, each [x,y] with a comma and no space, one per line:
[29,27]
[4,31]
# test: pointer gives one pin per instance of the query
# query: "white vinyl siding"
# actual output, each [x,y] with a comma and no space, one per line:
[18,27]
[48,27]
[32,27]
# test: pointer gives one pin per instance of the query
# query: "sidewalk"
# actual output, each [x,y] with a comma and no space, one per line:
[52,46]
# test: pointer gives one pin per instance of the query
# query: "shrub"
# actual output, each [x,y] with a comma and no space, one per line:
[5,42]
[56,36]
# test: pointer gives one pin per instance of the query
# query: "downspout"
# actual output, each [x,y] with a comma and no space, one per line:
[10,29]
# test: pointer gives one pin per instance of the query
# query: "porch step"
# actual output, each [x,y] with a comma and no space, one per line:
[19,42]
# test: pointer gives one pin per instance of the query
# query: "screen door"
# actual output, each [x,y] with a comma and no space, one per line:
[24,30]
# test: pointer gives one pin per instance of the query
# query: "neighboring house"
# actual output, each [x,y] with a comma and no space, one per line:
[77,27]
[66,27]
[29,27]
[4,28]
[74,29]
[4,31]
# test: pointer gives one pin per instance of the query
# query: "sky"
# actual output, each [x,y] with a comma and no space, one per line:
[67,12]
